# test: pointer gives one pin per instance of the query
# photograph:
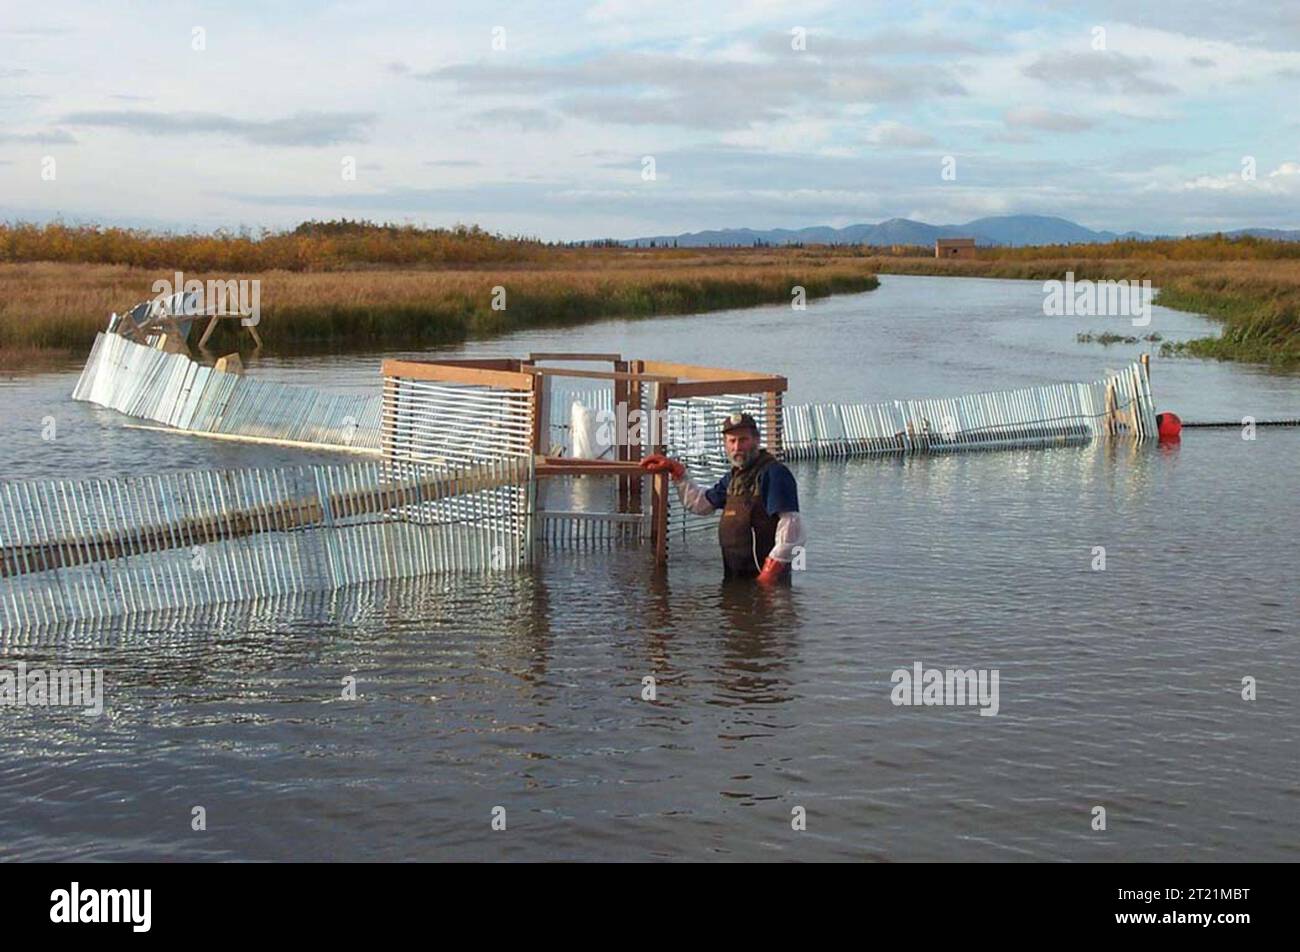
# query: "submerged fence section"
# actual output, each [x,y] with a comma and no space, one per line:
[1053,415]
[560,529]
[72,550]
[454,424]
[172,389]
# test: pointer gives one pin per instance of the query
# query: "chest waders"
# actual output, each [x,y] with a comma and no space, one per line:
[747,531]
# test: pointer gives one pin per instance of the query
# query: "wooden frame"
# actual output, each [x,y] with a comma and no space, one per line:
[667,380]
[170,324]
[212,326]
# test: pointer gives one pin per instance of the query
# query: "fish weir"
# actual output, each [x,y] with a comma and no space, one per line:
[73,550]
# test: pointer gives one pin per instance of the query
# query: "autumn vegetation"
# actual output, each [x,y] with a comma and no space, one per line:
[358,285]
[352,285]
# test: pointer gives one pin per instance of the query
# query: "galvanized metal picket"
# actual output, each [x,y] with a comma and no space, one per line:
[463,425]
[693,429]
[561,529]
[173,390]
[94,548]
[454,424]
[1053,415]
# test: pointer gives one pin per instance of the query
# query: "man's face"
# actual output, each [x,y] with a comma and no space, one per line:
[742,446]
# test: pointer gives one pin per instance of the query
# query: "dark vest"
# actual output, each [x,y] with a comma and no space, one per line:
[747,530]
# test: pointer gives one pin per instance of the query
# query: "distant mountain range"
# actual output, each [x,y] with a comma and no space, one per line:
[1012,230]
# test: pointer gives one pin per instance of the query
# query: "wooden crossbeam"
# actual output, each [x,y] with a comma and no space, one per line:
[566,466]
[717,388]
[696,372]
[599,374]
[458,373]
[574,355]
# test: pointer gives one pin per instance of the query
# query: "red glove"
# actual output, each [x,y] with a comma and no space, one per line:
[658,463]
[773,571]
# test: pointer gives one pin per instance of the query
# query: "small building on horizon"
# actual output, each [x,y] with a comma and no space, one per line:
[954,247]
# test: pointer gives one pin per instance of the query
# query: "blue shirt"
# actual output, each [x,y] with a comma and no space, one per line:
[775,484]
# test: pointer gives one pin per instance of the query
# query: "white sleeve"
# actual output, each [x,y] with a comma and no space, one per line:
[789,534]
[693,498]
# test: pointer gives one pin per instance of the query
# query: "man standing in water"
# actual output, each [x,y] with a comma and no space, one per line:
[759,499]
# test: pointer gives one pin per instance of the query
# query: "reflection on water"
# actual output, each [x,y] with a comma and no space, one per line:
[1118,688]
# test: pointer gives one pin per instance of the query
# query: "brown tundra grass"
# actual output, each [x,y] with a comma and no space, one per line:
[360,285]
[57,308]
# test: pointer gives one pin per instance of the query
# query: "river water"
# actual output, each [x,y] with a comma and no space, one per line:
[1119,689]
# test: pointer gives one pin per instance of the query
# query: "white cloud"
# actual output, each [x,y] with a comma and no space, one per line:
[737,120]
[1283,180]
[893,134]
[1034,117]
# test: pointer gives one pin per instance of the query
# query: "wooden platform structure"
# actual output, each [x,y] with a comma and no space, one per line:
[469,410]
[171,319]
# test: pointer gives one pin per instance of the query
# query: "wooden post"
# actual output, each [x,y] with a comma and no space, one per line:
[212,326]
[229,364]
[171,343]
[1110,407]
[388,419]
[660,509]
[207,331]
[539,394]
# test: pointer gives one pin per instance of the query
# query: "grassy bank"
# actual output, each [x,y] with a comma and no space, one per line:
[1252,286]
[348,285]
[55,309]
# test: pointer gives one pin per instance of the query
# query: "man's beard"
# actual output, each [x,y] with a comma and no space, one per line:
[741,459]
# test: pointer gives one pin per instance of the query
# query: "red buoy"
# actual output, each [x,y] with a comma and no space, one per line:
[1170,426]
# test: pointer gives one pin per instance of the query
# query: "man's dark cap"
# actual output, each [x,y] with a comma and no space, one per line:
[739,421]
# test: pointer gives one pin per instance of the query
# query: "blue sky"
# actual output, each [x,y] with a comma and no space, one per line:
[537,118]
